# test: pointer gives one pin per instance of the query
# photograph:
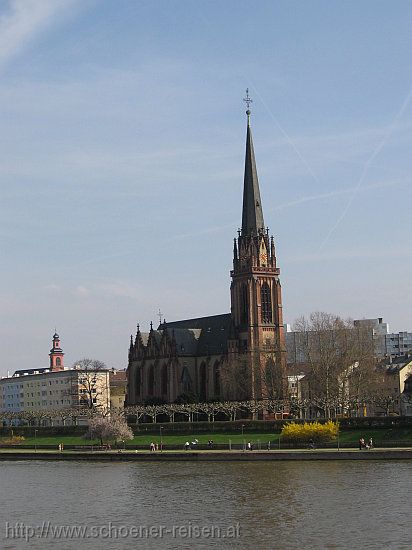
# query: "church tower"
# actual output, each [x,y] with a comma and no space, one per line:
[256,303]
[56,354]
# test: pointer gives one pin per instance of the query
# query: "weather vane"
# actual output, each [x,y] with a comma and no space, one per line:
[247,99]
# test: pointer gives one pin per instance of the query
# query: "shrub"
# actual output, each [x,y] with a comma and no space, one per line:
[13,440]
[316,431]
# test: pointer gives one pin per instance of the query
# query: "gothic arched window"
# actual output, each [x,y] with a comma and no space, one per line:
[186,380]
[203,383]
[243,305]
[216,380]
[266,303]
[58,362]
[150,381]
[138,380]
[164,380]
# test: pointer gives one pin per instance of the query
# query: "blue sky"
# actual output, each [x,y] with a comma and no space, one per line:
[122,134]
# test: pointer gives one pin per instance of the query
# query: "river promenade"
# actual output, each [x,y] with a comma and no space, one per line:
[209,455]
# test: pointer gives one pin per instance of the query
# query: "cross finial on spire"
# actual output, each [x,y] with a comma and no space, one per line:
[248,101]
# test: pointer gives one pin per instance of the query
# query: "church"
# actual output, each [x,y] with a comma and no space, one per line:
[237,355]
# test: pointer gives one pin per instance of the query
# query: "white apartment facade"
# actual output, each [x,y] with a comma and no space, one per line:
[55,389]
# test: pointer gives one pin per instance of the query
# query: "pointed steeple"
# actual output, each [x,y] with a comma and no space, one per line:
[252,214]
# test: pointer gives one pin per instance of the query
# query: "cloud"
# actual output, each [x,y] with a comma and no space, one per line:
[81,291]
[23,21]
[53,287]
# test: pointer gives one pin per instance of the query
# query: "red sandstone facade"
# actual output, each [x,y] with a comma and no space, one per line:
[241,355]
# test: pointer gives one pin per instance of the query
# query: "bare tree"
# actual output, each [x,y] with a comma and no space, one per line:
[236,378]
[89,386]
[341,360]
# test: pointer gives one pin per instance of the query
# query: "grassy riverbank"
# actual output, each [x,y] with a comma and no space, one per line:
[380,436]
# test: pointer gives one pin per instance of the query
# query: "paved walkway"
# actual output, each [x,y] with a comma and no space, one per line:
[209,455]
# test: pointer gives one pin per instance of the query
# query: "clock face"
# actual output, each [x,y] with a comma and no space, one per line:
[263,257]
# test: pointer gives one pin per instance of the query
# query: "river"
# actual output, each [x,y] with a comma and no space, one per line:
[273,505]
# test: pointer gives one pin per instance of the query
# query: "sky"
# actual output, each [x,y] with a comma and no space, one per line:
[122,138]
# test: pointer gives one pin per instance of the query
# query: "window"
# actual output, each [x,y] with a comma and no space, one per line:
[164,380]
[266,304]
[150,381]
[243,305]
[203,382]
[217,380]
[138,379]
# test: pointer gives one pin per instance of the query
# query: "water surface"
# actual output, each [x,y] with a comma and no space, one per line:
[277,505]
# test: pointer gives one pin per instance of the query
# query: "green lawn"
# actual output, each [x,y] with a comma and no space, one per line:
[147,439]
[383,434]
[349,436]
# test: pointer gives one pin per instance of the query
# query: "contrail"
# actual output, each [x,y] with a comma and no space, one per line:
[282,206]
[286,136]
[329,195]
[389,131]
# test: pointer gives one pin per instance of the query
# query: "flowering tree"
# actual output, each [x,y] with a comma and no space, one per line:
[109,428]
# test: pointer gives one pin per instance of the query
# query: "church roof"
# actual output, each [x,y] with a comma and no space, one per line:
[187,339]
[202,335]
[252,214]
[157,335]
[145,337]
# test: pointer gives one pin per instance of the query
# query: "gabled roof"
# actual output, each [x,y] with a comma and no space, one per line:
[202,335]
[187,339]
[397,363]
[145,337]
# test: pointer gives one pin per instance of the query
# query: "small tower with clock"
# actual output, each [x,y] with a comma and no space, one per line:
[256,303]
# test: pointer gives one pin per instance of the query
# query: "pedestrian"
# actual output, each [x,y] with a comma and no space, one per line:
[152,447]
[370,443]
[249,446]
[157,446]
[268,445]
[361,443]
[187,446]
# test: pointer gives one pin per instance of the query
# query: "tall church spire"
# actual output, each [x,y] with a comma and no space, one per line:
[252,214]
[256,298]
